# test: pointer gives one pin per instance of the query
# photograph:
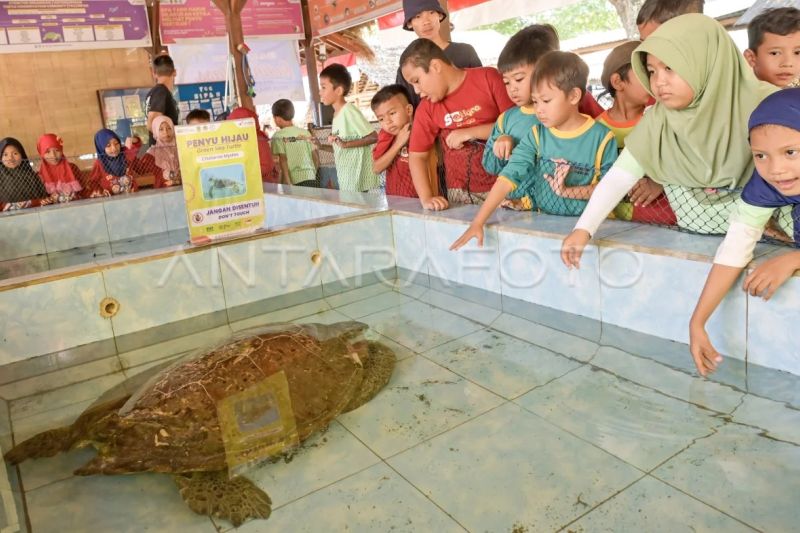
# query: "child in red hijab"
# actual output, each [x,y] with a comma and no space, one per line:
[264,150]
[60,177]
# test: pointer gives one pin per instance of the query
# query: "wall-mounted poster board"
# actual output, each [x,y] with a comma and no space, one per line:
[201,19]
[329,17]
[48,26]
[209,96]
[123,111]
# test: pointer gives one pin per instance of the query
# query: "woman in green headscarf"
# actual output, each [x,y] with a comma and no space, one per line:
[693,142]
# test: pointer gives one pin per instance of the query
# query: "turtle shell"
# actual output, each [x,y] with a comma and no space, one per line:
[241,402]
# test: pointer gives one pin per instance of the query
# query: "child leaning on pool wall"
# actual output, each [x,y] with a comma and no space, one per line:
[458,106]
[775,143]
[544,164]
[704,91]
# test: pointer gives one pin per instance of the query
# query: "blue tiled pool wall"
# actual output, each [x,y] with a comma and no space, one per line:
[617,284]
[102,221]
[57,324]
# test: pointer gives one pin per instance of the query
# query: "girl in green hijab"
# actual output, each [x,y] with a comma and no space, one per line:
[693,142]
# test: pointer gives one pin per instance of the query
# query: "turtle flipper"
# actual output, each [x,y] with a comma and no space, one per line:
[45,444]
[378,368]
[214,494]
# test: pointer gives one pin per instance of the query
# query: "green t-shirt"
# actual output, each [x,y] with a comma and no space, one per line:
[353,165]
[295,143]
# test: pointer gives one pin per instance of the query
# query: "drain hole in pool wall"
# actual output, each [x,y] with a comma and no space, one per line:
[316,257]
[108,307]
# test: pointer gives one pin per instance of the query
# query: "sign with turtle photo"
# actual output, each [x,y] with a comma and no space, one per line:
[221,179]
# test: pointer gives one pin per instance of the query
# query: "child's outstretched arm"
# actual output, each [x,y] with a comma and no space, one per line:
[763,281]
[746,226]
[720,280]
[608,193]
[499,191]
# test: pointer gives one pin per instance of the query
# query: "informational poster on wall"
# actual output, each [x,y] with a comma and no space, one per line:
[275,66]
[329,17]
[221,179]
[209,96]
[47,25]
[201,19]
[122,111]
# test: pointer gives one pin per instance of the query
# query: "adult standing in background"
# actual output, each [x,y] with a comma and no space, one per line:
[160,100]
[424,17]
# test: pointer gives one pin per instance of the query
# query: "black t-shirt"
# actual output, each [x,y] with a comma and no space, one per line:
[462,55]
[160,99]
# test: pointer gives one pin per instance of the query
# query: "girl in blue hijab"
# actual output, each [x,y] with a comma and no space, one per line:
[775,143]
[111,173]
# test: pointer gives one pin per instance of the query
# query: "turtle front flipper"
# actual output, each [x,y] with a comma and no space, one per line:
[45,444]
[378,367]
[214,494]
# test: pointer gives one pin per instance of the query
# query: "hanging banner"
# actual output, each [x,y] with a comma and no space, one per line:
[221,179]
[329,17]
[201,19]
[54,25]
[275,66]
[209,96]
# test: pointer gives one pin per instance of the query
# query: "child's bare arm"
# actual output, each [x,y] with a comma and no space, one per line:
[418,165]
[367,140]
[499,191]
[284,166]
[719,282]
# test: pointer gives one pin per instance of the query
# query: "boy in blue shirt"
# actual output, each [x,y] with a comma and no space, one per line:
[559,161]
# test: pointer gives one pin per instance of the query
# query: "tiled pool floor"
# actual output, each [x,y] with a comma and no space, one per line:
[490,423]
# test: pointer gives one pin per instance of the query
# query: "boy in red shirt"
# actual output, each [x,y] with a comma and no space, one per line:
[459,106]
[392,106]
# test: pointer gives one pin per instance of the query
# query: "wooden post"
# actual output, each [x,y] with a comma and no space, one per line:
[232,9]
[311,65]
[154,11]
[444,30]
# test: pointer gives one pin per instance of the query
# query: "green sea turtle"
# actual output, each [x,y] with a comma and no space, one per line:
[209,416]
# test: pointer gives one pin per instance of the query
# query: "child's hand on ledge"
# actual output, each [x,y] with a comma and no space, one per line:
[767,277]
[435,203]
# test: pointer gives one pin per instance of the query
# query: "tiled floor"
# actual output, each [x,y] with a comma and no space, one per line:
[490,423]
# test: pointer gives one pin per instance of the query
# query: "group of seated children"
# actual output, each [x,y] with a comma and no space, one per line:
[117,163]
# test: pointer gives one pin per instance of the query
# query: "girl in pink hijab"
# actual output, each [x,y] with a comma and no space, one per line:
[162,157]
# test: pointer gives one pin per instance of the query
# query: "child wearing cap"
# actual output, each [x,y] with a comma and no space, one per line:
[557,164]
[646,201]
[424,17]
